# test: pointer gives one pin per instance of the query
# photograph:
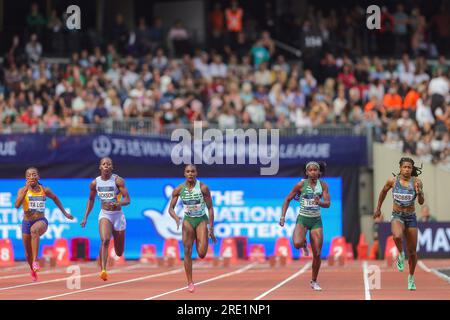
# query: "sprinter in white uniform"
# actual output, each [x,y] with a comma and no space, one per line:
[113,194]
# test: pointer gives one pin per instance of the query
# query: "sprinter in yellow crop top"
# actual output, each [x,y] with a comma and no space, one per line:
[32,198]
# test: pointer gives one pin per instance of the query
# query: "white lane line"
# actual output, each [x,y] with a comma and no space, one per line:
[441,275]
[366,282]
[229,274]
[13,268]
[282,283]
[64,279]
[55,270]
[114,284]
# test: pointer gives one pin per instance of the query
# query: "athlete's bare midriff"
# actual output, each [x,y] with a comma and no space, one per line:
[30,215]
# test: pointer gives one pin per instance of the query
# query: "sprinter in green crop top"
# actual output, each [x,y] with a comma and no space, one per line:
[196,197]
[309,192]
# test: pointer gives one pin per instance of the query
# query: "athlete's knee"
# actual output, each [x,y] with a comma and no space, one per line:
[188,250]
[202,253]
[34,233]
[299,243]
[397,237]
[119,252]
[105,243]
[412,254]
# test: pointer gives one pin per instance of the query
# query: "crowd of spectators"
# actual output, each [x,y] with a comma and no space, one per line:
[404,102]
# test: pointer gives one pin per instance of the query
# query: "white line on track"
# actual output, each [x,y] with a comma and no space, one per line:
[423,266]
[114,284]
[282,283]
[366,281]
[64,279]
[55,270]
[229,274]
[22,266]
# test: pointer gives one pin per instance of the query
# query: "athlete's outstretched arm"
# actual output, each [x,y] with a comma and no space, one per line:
[387,186]
[126,200]
[49,193]
[175,194]
[208,201]
[90,204]
[288,200]
[418,185]
[326,196]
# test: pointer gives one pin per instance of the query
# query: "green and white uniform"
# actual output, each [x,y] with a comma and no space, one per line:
[194,205]
[309,213]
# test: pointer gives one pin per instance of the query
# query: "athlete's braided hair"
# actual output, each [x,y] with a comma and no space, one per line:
[416,171]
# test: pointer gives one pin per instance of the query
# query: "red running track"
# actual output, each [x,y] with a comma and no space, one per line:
[244,281]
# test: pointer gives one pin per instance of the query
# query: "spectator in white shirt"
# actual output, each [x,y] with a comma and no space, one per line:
[438,89]
[159,61]
[33,50]
[256,112]
[217,68]
[263,75]
[423,112]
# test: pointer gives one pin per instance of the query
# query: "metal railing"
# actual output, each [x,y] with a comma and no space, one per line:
[147,127]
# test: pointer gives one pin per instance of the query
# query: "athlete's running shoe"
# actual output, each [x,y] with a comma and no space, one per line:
[411,283]
[36,267]
[191,287]
[401,262]
[315,286]
[104,275]
[34,276]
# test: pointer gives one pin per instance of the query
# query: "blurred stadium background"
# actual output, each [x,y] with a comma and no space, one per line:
[356,98]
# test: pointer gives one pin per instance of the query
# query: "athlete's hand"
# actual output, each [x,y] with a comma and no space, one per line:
[317,200]
[282,219]
[377,214]
[68,216]
[178,221]
[211,235]
[112,206]
[27,185]
[83,223]
[418,187]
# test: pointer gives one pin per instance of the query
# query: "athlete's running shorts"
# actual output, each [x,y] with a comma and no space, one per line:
[310,223]
[26,225]
[117,219]
[195,221]
[409,220]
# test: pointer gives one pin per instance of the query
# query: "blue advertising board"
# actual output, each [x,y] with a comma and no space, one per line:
[44,149]
[243,207]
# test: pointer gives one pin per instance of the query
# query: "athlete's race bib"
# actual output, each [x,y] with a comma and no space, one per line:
[192,206]
[106,196]
[403,197]
[310,204]
[36,204]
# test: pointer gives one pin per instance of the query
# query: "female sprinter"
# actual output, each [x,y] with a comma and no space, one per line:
[195,195]
[32,197]
[113,195]
[309,192]
[406,188]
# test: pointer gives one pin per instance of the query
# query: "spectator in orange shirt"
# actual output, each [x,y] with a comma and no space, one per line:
[372,104]
[411,99]
[392,102]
